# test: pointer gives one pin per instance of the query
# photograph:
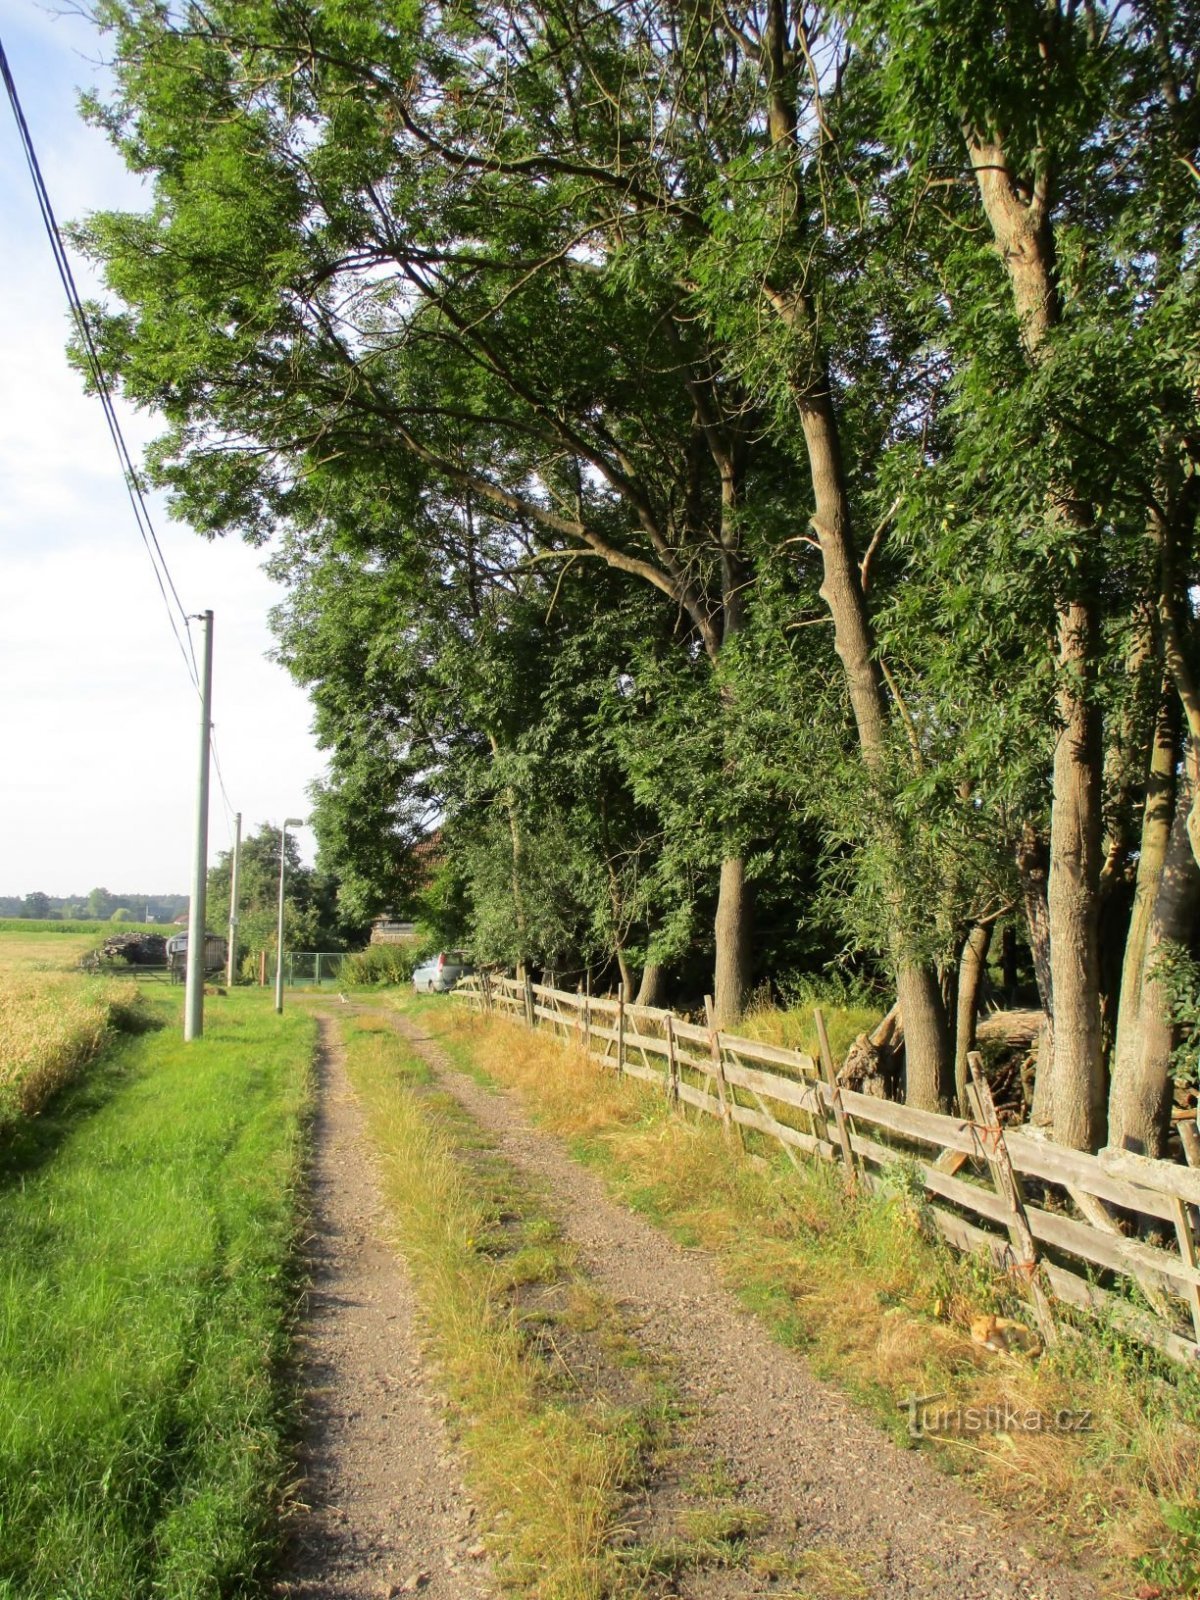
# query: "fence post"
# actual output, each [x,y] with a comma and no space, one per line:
[835,1098]
[672,1061]
[1009,1189]
[620,1030]
[317,970]
[262,968]
[587,1012]
[530,1019]
[714,1050]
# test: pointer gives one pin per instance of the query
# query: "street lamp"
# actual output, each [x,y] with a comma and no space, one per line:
[288,822]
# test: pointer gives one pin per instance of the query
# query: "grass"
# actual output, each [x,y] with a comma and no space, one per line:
[884,1309]
[147,1223]
[53,1021]
[793,1028]
[97,930]
[559,1415]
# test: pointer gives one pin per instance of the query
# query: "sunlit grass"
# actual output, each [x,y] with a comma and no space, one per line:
[146,1231]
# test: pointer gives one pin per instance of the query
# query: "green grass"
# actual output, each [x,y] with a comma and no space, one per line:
[147,1224]
[40,927]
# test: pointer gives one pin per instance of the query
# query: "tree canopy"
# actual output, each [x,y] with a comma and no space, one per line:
[734,469]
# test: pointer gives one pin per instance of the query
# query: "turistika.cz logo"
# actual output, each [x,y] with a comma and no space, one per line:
[926,1417]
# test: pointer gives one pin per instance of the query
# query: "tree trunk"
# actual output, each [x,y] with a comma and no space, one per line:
[1157,813]
[1019,214]
[1033,869]
[971,969]
[652,990]
[731,977]
[1140,1101]
[626,974]
[1072,898]
[927,1042]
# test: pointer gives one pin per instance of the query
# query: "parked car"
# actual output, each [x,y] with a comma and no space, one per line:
[441,972]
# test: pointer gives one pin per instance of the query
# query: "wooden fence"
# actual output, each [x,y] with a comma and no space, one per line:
[1071,1227]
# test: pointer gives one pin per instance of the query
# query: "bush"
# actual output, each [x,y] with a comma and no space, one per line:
[382,964]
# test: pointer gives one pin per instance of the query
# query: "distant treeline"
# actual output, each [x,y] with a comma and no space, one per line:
[98,904]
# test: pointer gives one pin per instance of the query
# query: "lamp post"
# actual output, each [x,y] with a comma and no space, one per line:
[288,822]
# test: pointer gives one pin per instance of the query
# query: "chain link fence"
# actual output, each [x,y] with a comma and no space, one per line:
[310,969]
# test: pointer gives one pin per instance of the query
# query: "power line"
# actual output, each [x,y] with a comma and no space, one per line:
[133,487]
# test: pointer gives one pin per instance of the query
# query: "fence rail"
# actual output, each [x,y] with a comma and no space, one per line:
[1071,1227]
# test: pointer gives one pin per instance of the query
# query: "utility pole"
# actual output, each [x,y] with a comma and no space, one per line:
[193,1005]
[288,822]
[233,899]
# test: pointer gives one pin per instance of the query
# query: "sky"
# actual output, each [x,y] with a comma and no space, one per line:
[99,722]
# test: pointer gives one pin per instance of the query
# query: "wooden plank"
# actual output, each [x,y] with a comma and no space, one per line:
[744,1117]
[690,1032]
[1008,1188]
[804,1096]
[970,1196]
[839,1111]
[1129,1257]
[1164,1177]
[797,1061]
[620,1029]
[1074,1290]
[714,1047]
[1054,1163]
[1186,1239]
[929,1127]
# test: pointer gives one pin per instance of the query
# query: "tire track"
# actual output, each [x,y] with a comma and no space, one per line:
[382,1507]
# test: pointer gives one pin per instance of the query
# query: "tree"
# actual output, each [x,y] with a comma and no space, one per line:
[36,905]
[720,453]
[312,920]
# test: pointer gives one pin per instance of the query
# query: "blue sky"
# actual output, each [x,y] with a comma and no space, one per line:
[99,724]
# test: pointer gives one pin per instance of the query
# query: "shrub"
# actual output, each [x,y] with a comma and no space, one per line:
[382,964]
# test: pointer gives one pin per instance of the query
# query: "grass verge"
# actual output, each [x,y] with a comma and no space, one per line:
[560,1416]
[884,1309]
[144,1309]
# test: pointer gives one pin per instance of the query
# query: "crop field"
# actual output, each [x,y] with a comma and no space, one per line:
[53,1021]
[147,1225]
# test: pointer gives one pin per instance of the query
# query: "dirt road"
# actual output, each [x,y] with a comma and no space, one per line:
[883,1519]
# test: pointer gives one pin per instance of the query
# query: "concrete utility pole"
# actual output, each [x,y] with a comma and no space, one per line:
[288,822]
[193,1005]
[233,899]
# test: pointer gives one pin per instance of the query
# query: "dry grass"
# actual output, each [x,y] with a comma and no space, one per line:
[884,1309]
[793,1028]
[43,952]
[52,1024]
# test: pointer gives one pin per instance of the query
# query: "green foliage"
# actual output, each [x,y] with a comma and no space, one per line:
[312,914]
[570,418]
[381,964]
